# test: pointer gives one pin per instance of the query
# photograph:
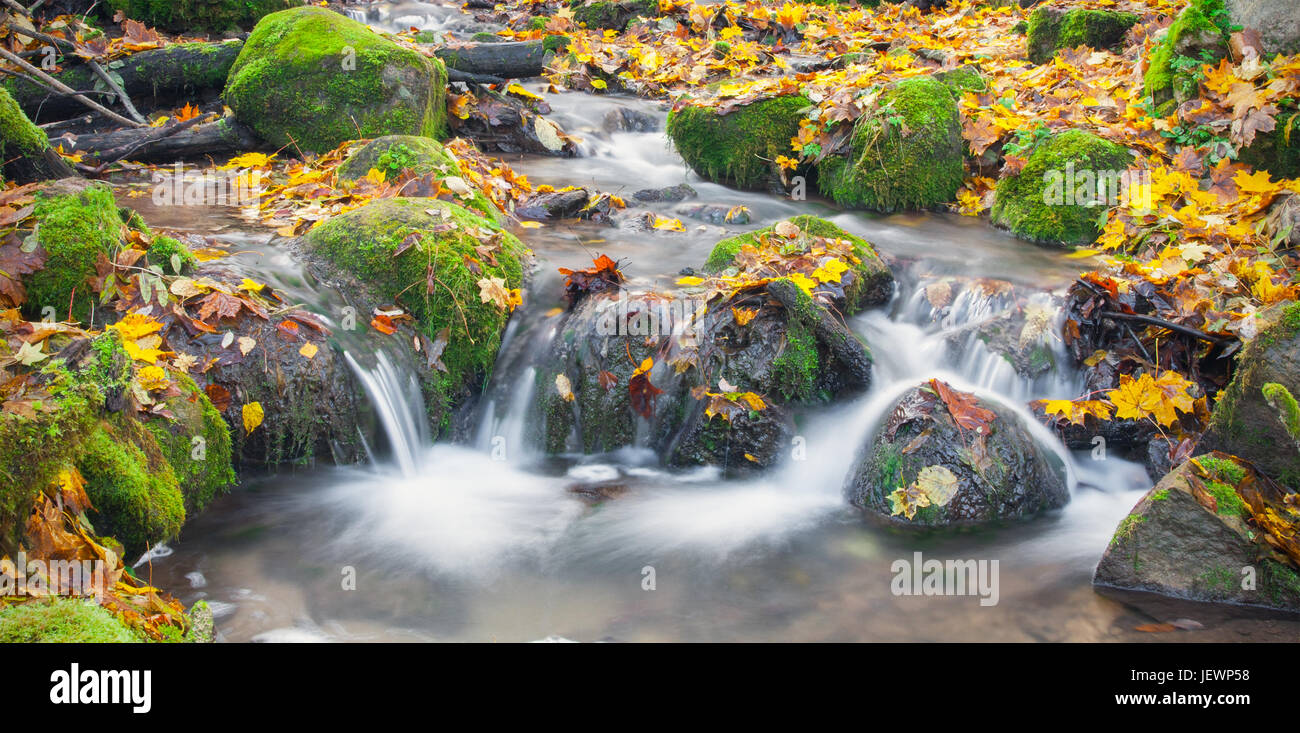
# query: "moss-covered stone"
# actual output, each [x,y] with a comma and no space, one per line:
[196,443]
[905,154]
[738,148]
[75,228]
[130,483]
[1197,36]
[614,15]
[873,282]
[189,16]
[393,154]
[1055,197]
[311,78]
[1054,28]
[1277,151]
[18,135]
[62,621]
[363,242]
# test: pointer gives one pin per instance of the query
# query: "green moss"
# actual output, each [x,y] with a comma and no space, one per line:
[362,242]
[1277,151]
[168,252]
[1226,499]
[62,621]
[905,155]
[312,78]
[1169,76]
[872,285]
[1127,526]
[1036,204]
[555,43]
[189,16]
[75,229]
[393,154]
[203,469]
[962,80]
[794,370]
[1218,582]
[1222,469]
[1288,412]
[131,485]
[1049,30]
[1281,583]
[614,15]
[738,148]
[1160,495]
[18,136]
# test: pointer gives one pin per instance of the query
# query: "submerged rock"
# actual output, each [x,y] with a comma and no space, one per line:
[1257,417]
[1056,198]
[311,79]
[904,154]
[987,466]
[1187,538]
[740,147]
[1053,28]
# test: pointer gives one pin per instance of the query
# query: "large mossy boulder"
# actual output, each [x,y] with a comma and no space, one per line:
[1188,538]
[62,621]
[738,148]
[311,78]
[392,155]
[904,154]
[1053,28]
[26,151]
[1257,417]
[614,15]
[867,282]
[986,468]
[1199,35]
[1069,181]
[1277,21]
[190,16]
[417,253]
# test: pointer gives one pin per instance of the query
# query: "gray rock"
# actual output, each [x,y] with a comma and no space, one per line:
[1277,21]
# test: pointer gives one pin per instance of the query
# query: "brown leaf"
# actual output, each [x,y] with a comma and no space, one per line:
[219,395]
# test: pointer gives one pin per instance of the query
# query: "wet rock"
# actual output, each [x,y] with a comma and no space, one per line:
[1002,474]
[1172,544]
[1276,21]
[505,123]
[289,84]
[1053,28]
[680,192]
[614,15]
[626,119]
[715,214]
[904,154]
[553,205]
[1257,417]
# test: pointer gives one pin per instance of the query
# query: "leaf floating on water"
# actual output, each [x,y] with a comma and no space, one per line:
[1156,628]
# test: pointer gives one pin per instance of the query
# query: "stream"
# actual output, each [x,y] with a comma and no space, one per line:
[488,541]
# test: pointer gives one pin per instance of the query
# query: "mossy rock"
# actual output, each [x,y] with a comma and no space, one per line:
[311,78]
[189,16]
[1256,416]
[1054,28]
[362,243]
[1172,545]
[62,621]
[906,154]
[1277,151]
[133,488]
[393,154]
[1036,204]
[75,225]
[738,148]
[1198,35]
[196,443]
[614,15]
[20,140]
[872,282]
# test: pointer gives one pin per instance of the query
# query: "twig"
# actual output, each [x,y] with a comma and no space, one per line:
[67,45]
[1175,327]
[65,89]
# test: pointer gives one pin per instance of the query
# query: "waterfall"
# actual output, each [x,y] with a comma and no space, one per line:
[400,407]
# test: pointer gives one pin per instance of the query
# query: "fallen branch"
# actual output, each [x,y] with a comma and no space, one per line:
[189,139]
[1170,325]
[65,89]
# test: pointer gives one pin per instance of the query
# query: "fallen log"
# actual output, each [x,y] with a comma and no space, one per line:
[181,141]
[508,60]
[153,78]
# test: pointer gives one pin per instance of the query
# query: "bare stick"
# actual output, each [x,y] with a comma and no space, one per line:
[65,89]
[67,45]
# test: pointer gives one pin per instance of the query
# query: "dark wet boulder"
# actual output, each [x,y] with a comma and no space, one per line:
[944,457]
[1188,538]
[738,146]
[563,204]
[626,119]
[1057,197]
[680,192]
[1053,28]
[906,153]
[1257,417]
[311,78]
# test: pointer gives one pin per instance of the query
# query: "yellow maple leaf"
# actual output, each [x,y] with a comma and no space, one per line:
[830,272]
[1135,398]
[252,414]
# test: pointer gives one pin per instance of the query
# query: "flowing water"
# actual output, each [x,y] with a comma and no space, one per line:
[490,542]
